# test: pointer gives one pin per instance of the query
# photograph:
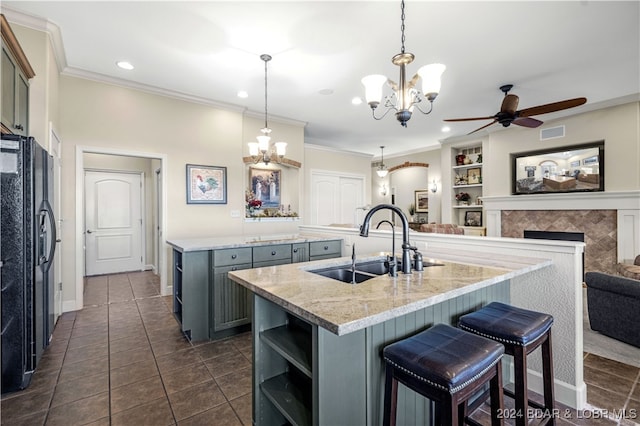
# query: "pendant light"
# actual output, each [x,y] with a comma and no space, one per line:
[263,150]
[405,97]
[382,169]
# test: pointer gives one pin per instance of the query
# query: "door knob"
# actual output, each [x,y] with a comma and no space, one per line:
[89,231]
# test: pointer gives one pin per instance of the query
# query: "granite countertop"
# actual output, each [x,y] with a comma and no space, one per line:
[344,308]
[213,243]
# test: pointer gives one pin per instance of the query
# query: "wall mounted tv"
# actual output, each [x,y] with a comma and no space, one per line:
[575,168]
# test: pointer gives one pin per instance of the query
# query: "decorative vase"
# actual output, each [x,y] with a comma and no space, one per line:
[467,160]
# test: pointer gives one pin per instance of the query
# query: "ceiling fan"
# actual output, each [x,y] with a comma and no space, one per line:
[509,114]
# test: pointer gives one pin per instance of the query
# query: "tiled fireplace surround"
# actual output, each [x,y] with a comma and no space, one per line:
[610,222]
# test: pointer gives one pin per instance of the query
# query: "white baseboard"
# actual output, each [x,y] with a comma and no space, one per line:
[69,306]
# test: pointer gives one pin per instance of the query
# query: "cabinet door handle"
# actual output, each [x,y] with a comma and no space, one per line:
[326,247]
[295,250]
[19,126]
[233,256]
[234,268]
[273,253]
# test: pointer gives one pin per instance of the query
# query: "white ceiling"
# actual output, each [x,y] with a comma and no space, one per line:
[549,50]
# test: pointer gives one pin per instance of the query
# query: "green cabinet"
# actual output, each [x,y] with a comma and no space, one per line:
[16,72]
[208,304]
[325,249]
[190,300]
[304,374]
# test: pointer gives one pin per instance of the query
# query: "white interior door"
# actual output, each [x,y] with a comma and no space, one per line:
[113,222]
[335,198]
[55,150]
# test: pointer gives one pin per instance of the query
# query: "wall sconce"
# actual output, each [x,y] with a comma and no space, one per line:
[434,186]
[383,190]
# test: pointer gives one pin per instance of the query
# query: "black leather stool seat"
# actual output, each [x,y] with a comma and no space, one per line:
[448,366]
[521,332]
[507,324]
[444,357]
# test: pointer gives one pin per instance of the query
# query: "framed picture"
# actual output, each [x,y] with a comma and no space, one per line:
[575,163]
[590,160]
[473,218]
[206,184]
[474,175]
[422,201]
[266,186]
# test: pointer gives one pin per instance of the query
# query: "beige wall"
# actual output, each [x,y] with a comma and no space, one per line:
[618,126]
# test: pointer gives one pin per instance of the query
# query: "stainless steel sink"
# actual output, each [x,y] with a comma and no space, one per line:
[346,275]
[363,271]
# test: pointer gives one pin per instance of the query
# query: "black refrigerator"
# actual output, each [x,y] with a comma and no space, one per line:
[27,247]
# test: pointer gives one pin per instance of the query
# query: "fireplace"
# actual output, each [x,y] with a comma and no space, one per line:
[610,222]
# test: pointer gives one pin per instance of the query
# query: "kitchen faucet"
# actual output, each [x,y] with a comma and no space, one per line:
[391,260]
[406,247]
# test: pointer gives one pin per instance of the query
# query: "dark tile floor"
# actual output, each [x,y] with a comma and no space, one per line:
[123,361]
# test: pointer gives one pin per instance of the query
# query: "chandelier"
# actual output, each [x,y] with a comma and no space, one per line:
[382,169]
[263,150]
[405,96]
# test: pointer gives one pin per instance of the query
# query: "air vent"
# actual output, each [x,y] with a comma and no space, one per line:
[552,133]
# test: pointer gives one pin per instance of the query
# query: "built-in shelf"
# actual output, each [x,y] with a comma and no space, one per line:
[467,166]
[469,206]
[475,185]
[290,399]
[466,178]
[293,344]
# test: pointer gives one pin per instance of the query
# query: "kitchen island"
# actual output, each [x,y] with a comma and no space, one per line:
[206,303]
[318,341]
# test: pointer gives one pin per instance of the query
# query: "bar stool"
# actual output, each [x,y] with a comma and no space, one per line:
[521,332]
[446,365]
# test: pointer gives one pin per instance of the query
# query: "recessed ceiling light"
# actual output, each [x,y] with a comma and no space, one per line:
[446,129]
[242,94]
[124,65]
[325,91]
[356,101]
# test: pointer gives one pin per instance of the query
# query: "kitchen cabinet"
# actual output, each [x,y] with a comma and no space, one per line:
[190,302]
[208,305]
[324,249]
[16,72]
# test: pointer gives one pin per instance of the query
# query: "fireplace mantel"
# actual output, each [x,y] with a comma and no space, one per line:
[626,203]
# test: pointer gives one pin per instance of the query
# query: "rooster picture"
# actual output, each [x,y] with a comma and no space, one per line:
[206,185]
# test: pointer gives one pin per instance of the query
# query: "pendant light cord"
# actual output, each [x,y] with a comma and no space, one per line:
[402,26]
[266,58]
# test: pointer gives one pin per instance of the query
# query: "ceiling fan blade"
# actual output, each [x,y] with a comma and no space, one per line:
[480,128]
[552,107]
[527,122]
[470,119]
[510,104]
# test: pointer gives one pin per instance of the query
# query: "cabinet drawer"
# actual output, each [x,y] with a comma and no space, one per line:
[324,248]
[233,256]
[275,252]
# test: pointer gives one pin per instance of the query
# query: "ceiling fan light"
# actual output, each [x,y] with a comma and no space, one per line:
[281,148]
[373,88]
[431,76]
[253,149]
